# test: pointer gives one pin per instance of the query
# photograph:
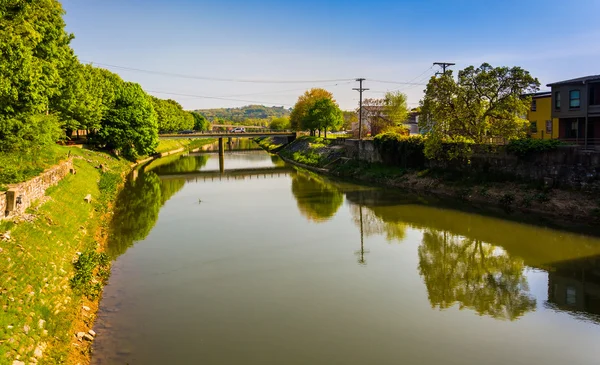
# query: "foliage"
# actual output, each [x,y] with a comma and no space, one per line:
[448,149]
[401,150]
[131,126]
[171,117]
[349,118]
[475,274]
[17,167]
[484,102]
[323,114]
[299,113]
[280,123]
[236,115]
[525,146]
[317,200]
[29,134]
[200,122]
[385,114]
[85,267]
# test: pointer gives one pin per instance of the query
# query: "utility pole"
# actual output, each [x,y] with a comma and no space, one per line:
[443,65]
[360,90]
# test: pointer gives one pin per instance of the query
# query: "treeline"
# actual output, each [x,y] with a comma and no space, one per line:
[243,114]
[46,93]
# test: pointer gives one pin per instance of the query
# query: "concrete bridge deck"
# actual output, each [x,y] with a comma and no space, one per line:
[226,174]
[227,135]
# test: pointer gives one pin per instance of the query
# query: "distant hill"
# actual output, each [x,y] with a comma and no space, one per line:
[245,112]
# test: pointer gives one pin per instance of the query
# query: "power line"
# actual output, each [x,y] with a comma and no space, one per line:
[214,78]
[396,82]
[288,90]
[218,98]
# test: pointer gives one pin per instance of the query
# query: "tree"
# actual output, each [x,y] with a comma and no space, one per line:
[300,110]
[349,118]
[484,102]
[171,116]
[200,123]
[385,114]
[131,125]
[280,123]
[323,114]
[33,48]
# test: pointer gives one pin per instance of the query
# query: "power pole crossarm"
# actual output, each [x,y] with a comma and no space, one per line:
[443,65]
[360,89]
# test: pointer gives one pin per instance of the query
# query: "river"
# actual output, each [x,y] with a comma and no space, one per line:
[264,264]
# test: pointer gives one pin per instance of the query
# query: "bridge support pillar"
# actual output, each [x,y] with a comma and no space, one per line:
[230,143]
[221,155]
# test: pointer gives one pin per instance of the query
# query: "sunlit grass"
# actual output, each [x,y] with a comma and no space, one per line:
[17,167]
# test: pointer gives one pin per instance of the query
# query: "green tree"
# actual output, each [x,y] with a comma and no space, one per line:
[131,126]
[385,114]
[474,274]
[200,123]
[171,116]
[305,101]
[317,200]
[484,102]
[33,48]
[280,123]
[323,114]
[349,118]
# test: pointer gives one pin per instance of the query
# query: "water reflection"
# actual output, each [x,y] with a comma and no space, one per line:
[317,199]
[474,274]
[574,287]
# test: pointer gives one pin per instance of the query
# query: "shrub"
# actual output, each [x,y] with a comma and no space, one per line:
[457,148]
[524,147]
[401,150]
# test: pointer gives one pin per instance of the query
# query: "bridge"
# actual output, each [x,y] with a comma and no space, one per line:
[291,136]
[229,174]
[229,135]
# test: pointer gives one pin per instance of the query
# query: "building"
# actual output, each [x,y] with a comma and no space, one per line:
[576,105]
[542,125]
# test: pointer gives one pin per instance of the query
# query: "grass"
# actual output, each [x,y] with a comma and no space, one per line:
[268,143]
[166,145]
[16,167]
[43,277]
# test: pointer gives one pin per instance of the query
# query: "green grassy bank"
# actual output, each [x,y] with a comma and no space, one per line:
[53,266]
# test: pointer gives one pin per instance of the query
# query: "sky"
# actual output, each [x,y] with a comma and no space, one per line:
[282,48]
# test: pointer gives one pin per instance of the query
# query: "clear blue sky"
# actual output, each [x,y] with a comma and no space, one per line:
[325,40]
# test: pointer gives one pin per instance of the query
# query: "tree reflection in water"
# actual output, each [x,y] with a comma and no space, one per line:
[474,274]
[317,200]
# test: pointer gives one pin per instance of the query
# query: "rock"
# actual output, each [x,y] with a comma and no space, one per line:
[38,352]
[5,236]
[88,337]
[9,327]
[26,329]
[80,335]
[86,308]
[17,362]
[88,198]
[91,332]
[41,323]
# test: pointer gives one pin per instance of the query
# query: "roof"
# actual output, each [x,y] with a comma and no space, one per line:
[541,94]
[579,80]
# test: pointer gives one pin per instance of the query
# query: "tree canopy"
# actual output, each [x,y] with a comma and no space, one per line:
[386,113]
[323,114]
[299,113]
[482,103]
[280,123]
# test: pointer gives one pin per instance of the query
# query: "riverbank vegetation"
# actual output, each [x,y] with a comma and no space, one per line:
[47,94]
[53,264]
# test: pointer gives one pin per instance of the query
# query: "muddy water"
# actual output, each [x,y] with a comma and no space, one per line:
[263,264]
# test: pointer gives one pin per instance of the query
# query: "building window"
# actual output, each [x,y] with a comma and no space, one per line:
[574,99]
[533,127]
[594,94]
[533,105]
[548,126]
[557,100]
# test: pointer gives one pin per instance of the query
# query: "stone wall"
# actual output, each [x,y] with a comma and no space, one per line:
[565,167]
[366,152]
[29,191]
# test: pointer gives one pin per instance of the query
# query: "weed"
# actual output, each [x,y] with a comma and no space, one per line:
[507,199]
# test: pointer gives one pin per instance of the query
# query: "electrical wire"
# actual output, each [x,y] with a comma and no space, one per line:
[214,78]
[218,98]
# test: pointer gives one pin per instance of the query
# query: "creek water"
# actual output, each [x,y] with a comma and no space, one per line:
[265,264]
